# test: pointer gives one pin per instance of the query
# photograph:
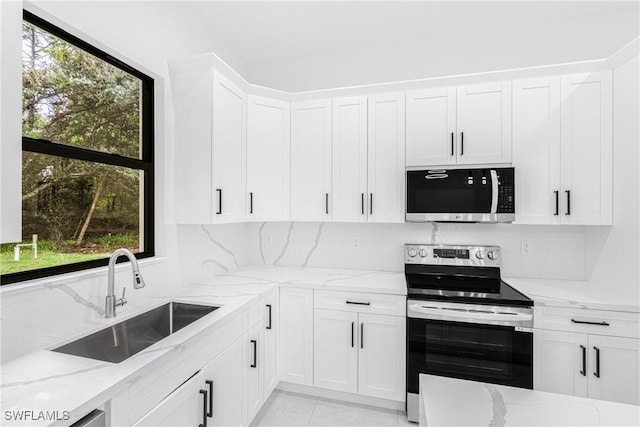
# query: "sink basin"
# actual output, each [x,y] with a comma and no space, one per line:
[122,340]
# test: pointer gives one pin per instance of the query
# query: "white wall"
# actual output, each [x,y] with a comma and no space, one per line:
[556,42]
[613,252]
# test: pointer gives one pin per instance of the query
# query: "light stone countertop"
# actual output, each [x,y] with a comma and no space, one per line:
[453,402]
[44,380]
[572,294]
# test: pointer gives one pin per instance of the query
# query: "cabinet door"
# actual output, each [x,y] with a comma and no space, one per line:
[349,159]
[311,160]
[270,343]
[229,144]
[192,114]
[268,173]
[431,127]
[484,123]
[254,368]
[335,361]
[296,335]
[183,407]
[558,362]
[225,373]
[381,356]
[386,145]
[587,164]
[536,150]
[613,369]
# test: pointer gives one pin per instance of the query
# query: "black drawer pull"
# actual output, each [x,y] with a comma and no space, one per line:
[452,144]
[597,372]
[269,307]
[361,335]
[352,327]
[557,194]
[358,303]
[583,372]
[210,411]
[204,408]
[584,322]
[219,191]
[255,353]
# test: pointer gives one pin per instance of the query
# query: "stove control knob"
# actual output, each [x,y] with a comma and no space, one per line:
[412,252]
[480,255]
[423,253]
[492,255]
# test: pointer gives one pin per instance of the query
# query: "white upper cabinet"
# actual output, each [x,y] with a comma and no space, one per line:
[311,161]
[349,159]
[229,144]
[536,150]
[562,150]
[587,154]
[463,125]
[386,157]
[209,152]
[268,159]
[484,123]
[431,127]
[193,115]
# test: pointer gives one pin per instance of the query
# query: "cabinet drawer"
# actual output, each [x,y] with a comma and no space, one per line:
[599,322]
[393,305]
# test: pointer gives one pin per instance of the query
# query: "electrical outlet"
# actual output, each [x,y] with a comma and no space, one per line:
[526,247]
[269,241]
[356,242]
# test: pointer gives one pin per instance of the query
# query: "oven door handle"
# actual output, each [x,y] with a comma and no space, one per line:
[494,191]
[466,314]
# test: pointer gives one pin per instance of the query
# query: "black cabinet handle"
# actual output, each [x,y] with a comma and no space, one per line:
[353,324]
[597,372]
[219,191]
[370,203]
[452,143]
[584,322]
[362,203]
[557,193]
[210,411]
[250,203]
[583,372]
[255,353]
[461,143]
[269,307]
[204,408]
[568,202]
[358,303]
[326,203]
[361,335]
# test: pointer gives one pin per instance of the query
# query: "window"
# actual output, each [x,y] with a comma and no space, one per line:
[87,157]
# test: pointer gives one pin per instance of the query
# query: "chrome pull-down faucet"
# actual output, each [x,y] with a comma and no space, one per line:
[111,302]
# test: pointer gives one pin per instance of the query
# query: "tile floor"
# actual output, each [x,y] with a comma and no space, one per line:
[291,409]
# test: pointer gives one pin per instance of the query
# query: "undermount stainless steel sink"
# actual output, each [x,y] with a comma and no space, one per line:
[122,340]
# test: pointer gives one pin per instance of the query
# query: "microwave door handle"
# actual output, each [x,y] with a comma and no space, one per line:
[494,191]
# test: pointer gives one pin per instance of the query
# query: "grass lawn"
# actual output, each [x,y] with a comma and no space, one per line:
[45,259]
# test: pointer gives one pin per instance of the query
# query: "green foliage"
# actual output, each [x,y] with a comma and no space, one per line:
[74,98]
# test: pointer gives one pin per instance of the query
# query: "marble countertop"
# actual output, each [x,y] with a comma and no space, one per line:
[573,294]
[49,381]
[380,282]
[453,402]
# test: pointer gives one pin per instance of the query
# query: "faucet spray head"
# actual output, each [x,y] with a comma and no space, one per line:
[138,281]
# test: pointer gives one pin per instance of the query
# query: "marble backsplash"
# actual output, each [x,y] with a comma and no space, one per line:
[557,252]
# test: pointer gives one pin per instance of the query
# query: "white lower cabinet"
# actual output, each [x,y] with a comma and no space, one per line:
[214,393]
[253,362]
[360,353]
[271,329]
[587,365]
[295,363]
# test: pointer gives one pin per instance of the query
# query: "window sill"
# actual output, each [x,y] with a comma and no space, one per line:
[28,285]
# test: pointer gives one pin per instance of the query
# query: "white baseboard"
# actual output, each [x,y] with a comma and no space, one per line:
[341,396]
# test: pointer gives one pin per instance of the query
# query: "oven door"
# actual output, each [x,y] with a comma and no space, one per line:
[495,354]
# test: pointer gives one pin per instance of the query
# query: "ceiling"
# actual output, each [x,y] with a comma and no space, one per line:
[265,31]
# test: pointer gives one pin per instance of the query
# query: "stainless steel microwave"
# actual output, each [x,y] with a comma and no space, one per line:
[461,195]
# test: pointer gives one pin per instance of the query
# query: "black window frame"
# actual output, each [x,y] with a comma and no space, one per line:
[145,163]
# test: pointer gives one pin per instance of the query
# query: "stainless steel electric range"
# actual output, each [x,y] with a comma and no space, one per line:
[463,321]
